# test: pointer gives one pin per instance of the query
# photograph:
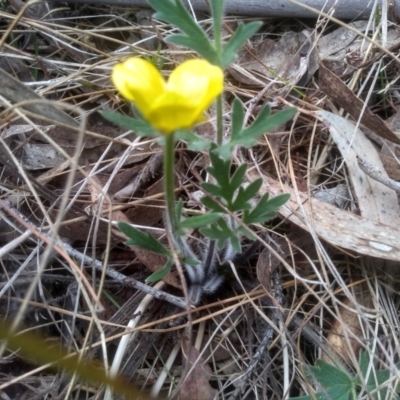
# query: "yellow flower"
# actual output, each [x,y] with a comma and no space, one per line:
[178,103]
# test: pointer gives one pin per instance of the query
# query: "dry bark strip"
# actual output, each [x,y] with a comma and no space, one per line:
[338,91]
[344,9]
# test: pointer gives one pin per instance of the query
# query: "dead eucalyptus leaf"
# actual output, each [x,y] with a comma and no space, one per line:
[153,262]
[348,325]
[338,227]
[196,386]
[376,201]
[150,212]
[271,59]
[40,156]
[339,40]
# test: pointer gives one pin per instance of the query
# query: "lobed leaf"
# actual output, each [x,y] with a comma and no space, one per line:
[142,240]
[202,47]
[194,142]
[160,274]
[242,33]
[140,127]
[173,12]
[266,122]
[221,232]
[338,383]
[200,220]
[331,393]
[219,169]
[211,204]
[238,177]
[265,209]
[329,375]
[215,190]
[245,195]
[237,118]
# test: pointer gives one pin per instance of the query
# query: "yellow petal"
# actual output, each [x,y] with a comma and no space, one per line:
[191,89]
[138,80]
[198,81]
[172,112]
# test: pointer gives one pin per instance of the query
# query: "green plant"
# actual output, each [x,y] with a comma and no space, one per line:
[338,384]
[169,110]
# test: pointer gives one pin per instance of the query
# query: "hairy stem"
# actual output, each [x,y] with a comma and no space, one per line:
[220,122]
[169,183]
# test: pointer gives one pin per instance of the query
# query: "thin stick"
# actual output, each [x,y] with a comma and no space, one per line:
[378,175]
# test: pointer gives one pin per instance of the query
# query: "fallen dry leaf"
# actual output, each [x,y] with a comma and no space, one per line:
[150,212]
[153,262]
[376,201]
[196,385]
[338,227]
[348,325]
[40,156]
[271,58]
[335,45]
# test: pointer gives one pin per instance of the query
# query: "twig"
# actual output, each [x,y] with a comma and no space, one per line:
[98,265]
[377,175]
[268,336]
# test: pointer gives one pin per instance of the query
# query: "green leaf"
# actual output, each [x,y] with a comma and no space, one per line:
[200,46]
[364,362]
[143,240]
[141,128]
[375,378]
[191,261]
[329,376]
[161,273]
[245,194]
[277,202]
[221,232]
[338,383]
[264,123]
[248,137]
[178,209]
[220,170]
[265,209]
[237,118]
[242,33]
[225,151]
[173,12]
[194,142]
[332,393]
[217,7]
[215,190]
[199,220]
[238,177]
[247,232]
[211,204]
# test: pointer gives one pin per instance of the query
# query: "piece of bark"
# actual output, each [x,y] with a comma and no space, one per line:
[15,92]
[339,92]
[344,9]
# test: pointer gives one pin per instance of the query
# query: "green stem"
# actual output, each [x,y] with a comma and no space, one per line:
[169,182]
[220,122]
[217,7]
[218,37]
